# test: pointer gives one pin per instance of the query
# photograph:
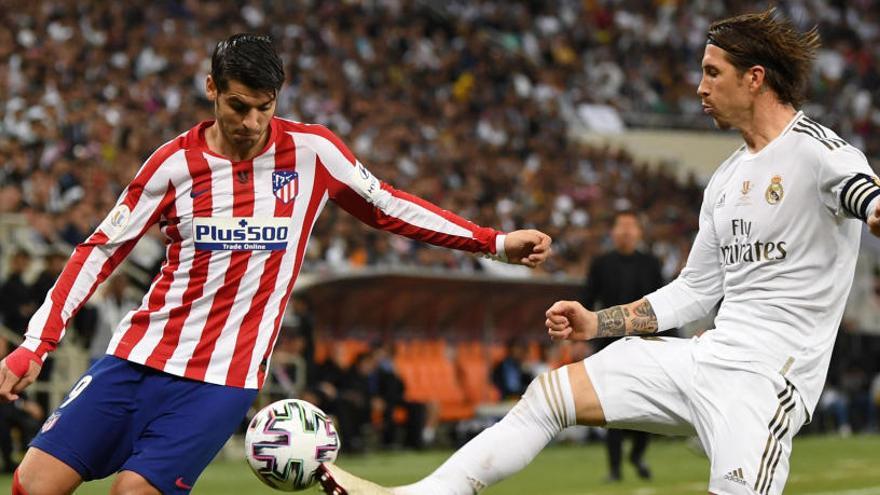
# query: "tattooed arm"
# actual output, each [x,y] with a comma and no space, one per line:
[570,320]
[635,318]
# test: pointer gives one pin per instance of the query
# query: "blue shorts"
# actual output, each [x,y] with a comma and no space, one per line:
[124,416]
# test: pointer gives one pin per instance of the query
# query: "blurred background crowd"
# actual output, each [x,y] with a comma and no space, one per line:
[475,105]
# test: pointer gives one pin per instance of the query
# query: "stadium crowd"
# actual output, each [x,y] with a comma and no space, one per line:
[474,105]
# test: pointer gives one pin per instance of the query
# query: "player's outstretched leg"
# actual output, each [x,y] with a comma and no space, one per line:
[546,408]
[336,481]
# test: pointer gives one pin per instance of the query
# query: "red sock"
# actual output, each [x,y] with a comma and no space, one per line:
[17,489]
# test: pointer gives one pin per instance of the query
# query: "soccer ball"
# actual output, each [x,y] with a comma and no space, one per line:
[287,441]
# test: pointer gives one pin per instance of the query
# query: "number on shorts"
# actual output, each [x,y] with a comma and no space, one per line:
[77,389]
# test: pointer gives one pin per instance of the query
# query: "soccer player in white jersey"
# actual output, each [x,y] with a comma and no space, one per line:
[777,243]
[236,198]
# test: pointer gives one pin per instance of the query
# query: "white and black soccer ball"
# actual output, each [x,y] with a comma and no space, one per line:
[287,441]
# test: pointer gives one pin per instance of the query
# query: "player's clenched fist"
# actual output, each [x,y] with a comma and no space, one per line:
[527,247]
[18,370]
[874,220]
[569,320]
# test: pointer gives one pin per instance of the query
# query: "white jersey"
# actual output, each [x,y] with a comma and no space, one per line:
[777,244]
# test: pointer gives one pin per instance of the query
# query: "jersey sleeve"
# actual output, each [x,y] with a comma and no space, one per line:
[138,208]
[380,205]
[847,185]
[700,285]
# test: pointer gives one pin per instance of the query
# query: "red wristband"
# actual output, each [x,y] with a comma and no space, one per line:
[19,360]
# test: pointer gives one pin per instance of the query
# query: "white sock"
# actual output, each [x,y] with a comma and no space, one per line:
[544,410]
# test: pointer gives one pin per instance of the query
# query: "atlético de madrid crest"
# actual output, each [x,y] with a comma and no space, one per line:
[285,185]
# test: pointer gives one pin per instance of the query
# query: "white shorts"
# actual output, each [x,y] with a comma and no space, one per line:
[745,420]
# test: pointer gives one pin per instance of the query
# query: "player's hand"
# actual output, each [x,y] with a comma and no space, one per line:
[569,320]
[874,220]
[527,247]
[17,371]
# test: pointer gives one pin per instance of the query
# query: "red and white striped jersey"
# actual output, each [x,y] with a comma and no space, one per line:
[236,236]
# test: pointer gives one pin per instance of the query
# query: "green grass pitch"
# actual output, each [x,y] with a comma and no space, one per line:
[820,466]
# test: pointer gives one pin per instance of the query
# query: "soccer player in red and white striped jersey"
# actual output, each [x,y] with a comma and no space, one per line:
[236,198]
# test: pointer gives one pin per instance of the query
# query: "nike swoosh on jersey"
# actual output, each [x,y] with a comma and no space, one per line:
[180,484]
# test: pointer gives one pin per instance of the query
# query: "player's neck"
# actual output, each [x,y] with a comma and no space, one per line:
[218,144]
[768,119]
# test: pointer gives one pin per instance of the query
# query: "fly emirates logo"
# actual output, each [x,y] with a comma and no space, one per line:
[748,251]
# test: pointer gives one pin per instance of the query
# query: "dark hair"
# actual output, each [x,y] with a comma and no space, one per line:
[626,213]
[248,59]
[786,54]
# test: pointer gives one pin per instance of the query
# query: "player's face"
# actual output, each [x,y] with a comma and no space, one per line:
[243,114]
[626,234]
[723,90]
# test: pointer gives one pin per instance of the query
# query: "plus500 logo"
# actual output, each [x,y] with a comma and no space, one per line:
[241,234]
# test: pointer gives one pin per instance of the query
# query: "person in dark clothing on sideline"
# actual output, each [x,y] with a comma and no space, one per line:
[617,277]
[389,387]
[510,376]
[16,303]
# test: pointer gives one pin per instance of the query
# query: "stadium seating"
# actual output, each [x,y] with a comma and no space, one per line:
[455,377]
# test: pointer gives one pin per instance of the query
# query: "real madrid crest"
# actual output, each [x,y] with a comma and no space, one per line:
[774,191]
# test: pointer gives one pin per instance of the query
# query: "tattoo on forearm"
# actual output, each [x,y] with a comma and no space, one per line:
[612,321]
[645,320]
[618,321]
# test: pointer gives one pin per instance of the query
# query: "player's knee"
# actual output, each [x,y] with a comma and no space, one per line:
[26,482]
[131,483]
[17,488]
[548,396]
[588,409]
[43,474]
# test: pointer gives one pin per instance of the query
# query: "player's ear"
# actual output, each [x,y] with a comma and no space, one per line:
[756,76]
[210,88]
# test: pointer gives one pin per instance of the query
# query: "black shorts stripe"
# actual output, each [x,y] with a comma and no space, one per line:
[777,428]
[765,466]
[762,465]
[769,479]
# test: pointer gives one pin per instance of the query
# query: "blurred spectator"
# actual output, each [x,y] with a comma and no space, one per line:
[116,301]
[53,266]
[420,419]
[290,369]
[510,376]
[92,88]
[16,298]
[342,391]
[358,399]
[293,361]
[621,276]
[23,416]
